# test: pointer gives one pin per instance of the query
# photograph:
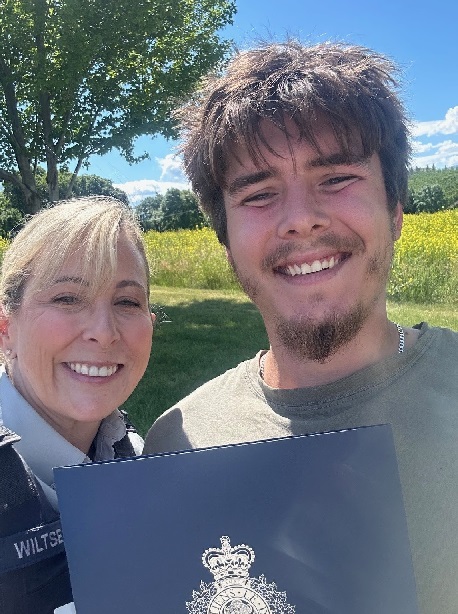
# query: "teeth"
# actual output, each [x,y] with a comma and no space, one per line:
[306,268]
[317,265]
[92,370]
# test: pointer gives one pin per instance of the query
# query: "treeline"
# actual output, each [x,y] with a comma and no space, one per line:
[174,210]
[12,205]
[432,189]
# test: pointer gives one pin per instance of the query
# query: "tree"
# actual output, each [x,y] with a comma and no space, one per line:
[84,185]
[174,210]
[427,199]
[10,217]
[446,178]
[81,77]
[180,209]
[149,212]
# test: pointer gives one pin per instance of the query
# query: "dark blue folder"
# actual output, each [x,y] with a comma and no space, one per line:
[305,525]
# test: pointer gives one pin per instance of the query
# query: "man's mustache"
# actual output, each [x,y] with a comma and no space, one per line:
[330,239]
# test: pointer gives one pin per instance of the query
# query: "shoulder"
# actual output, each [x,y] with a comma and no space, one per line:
[222,386]
[440,337]
[200,412]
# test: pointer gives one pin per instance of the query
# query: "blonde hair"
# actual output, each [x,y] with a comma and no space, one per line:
[87,227]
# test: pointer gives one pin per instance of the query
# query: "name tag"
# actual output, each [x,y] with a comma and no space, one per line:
[31,546]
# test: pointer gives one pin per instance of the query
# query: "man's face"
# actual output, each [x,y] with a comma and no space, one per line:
[310,238]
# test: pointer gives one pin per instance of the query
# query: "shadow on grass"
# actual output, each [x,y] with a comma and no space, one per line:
[204,338]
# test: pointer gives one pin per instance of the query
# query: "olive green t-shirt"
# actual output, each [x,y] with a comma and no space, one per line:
[415,392]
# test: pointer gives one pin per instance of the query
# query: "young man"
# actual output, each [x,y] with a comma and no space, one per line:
[299,155]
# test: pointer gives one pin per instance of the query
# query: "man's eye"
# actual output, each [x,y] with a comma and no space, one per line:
[258,200]
[339,179]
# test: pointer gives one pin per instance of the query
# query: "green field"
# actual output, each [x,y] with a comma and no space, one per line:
[211,331]
[213,326]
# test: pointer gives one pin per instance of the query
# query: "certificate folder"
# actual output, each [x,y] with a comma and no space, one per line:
[306,525]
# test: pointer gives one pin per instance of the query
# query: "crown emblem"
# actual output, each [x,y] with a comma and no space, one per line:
[228,563]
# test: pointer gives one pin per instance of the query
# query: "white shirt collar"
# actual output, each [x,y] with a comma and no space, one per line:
[41,446]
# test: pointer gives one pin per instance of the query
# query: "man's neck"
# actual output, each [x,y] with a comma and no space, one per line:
[373,343]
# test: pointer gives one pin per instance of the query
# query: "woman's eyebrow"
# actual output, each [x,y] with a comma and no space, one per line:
[68,278]
[80,281]
[125,283]
[244,181]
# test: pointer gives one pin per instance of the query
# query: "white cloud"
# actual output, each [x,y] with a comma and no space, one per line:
[138,190]
[441,154]
[172,176]
[419,148]
[171,168]
[448,125]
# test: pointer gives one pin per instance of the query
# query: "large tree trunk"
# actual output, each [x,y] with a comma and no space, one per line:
[27,185]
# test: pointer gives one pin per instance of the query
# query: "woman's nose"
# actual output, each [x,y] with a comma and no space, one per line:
[102,326]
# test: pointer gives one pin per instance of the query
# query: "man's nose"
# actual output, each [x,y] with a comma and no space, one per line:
[302,214]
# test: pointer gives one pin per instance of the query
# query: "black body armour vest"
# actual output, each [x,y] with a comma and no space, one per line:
[34,577]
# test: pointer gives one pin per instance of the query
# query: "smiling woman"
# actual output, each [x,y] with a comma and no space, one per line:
[75,332]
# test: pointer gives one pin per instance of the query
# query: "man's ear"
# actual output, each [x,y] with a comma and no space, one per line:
[398,217]
[229,256]
[153,317]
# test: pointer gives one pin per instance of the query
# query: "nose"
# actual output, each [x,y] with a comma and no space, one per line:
[302,214]
[101,326]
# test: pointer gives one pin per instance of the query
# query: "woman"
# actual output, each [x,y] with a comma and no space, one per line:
[75,333]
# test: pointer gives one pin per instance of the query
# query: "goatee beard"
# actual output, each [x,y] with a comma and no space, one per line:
[318,341]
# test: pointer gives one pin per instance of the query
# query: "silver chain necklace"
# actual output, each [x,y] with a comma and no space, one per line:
[262,360]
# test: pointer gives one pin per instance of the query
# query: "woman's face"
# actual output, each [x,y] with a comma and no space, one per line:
[74,358]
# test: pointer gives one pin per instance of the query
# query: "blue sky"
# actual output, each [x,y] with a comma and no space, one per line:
[421,37]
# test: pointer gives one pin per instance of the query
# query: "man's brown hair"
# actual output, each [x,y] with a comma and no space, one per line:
[352,88]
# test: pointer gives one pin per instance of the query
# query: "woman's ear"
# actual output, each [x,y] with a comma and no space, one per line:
[4,321]
[153,317]
[5,341]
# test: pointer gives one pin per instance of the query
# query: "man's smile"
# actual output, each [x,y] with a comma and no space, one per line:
[315,266]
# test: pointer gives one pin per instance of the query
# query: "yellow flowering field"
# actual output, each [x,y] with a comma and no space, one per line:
[3,245]
[425,265]
[188,259]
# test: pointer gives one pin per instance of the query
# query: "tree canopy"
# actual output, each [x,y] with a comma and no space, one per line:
[170,211]
[11,204]
[435,188]
[81,77]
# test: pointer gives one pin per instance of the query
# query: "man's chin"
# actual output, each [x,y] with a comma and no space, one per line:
[319,340]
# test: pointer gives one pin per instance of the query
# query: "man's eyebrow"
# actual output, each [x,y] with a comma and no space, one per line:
[248,180]
[338,159]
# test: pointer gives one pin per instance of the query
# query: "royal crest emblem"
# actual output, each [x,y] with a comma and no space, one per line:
[233,591]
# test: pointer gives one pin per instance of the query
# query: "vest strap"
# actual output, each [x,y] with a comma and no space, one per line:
[31,546]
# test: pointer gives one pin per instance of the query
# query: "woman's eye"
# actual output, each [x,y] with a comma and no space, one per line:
[128,302]
[66,299]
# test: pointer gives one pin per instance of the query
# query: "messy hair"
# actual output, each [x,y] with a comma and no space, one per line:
[86,227]
[351,88]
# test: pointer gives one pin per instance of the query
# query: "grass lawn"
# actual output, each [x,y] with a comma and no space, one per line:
[213,330]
